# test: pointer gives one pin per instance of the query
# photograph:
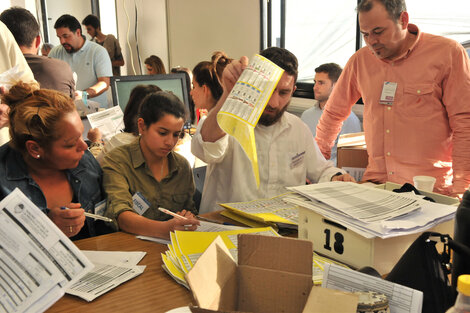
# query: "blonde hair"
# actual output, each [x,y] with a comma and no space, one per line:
[34,114]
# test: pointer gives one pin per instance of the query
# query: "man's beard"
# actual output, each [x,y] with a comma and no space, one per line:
[72,50]
[268,120]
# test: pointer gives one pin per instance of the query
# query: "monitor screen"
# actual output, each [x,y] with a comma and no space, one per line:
[121,87]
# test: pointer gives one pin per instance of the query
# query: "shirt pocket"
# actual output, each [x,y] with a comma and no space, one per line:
[418,99]
[179,200]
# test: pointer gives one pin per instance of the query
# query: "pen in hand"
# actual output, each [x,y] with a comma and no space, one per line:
[91,215]
[171,213]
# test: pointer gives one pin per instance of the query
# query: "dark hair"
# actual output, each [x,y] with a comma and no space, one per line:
[157,104]
[332,69]
[156,63]
[68,21]
[92,20]
[22,24]
[188,75]
[210,73]
[132,109]
[394,7]
[34,114]
[283,58]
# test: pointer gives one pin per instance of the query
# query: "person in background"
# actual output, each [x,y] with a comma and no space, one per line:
[207,86]
[10,57]
[50,73]
[189,79]
[287,153]
[46,48]
[89,60]
[146,174]
[154,65]
[326,76]
[131,130]
[109,42]
[48,160]
[415,87]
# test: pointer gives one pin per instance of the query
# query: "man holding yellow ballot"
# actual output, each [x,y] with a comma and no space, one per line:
[286,152]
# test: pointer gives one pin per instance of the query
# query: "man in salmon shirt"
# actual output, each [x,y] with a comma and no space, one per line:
[416,92]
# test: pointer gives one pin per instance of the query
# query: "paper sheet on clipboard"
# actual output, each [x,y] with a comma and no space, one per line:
[246,102]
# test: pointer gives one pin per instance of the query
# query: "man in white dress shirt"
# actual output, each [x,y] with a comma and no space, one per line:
[287,152]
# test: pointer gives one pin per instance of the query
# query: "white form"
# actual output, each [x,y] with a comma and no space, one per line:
[360,202]
[276,206]
[112,268]
[246,102]
[401,299]
[430,215]
[37,260]
[109,122]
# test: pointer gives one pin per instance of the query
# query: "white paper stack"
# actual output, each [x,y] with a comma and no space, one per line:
[372,212]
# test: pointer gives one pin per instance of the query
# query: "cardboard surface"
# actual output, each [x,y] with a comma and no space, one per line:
[274,275]
[356,157]
[265,290]
[213,278]
[289,254]
[323,300]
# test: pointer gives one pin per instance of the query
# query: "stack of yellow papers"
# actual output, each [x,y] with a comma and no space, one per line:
[271,212]
[187,246]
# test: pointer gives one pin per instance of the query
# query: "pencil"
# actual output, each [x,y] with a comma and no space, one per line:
[171,213]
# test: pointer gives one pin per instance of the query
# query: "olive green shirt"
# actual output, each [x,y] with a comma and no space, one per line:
[125,172]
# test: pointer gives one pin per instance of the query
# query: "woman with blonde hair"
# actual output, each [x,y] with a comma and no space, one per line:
[154,65]
[48,160]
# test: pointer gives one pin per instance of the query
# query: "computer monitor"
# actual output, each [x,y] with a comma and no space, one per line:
[121,87]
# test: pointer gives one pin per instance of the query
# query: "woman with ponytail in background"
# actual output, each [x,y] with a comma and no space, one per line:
[207,86]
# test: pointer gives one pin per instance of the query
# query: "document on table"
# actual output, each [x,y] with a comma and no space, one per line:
[401,299]
[246,102]
[109,122]
[112,268]
[360,202]
[204,227]
[37,260]
[274,210]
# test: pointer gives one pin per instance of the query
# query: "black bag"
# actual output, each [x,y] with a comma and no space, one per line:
[423,268]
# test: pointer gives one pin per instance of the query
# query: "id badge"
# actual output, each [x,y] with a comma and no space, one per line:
[389,90]
[140,203]
[100,207]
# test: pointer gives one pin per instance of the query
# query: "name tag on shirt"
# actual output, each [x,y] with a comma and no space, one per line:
[140,203]
[100,207]
[297,159]
[388,93]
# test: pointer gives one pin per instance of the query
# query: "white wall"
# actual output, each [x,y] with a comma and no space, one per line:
[198,28]
[152,32]
[56,8]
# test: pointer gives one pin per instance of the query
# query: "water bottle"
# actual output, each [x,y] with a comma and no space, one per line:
[462,304]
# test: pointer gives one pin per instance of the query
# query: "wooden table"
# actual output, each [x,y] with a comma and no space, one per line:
[153,291]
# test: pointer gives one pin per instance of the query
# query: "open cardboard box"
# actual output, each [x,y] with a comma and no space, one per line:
[273,274]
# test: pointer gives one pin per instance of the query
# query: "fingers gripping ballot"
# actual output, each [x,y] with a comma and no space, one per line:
[232,72]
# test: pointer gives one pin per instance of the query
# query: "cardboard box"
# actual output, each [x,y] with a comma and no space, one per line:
[336,241]
[352,154]
[273,274]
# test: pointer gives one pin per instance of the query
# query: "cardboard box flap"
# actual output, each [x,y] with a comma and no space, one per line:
[322,300]
[274,291]
[277,253]
[214,272]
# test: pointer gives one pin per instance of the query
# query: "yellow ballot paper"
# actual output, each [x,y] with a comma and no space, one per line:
[245,104]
